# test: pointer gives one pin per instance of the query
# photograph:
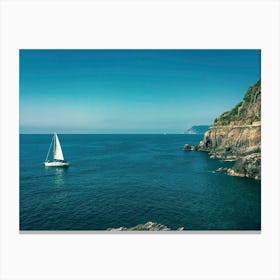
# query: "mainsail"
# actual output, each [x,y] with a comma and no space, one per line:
[57,153]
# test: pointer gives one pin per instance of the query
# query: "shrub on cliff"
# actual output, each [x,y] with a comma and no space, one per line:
[245,112]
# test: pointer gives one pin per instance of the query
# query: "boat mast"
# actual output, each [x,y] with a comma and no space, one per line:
[54,146]
[49,149]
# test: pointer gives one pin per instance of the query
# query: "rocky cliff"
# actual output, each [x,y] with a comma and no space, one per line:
[236,134]
[232,141]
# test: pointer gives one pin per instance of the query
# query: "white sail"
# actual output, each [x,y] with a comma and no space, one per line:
[57,153]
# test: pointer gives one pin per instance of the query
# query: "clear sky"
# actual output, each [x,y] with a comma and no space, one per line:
[130,91]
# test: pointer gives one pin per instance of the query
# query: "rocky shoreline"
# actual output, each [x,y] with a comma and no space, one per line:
[248,166]
[236,134]
[149,226]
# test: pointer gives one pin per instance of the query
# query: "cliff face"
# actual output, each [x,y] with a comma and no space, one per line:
[232,141]
[237,134]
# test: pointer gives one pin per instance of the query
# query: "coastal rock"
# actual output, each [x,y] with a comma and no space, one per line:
[188,147]
[228,142]
[222,169]
[248,166]
[149,226]
[236,134]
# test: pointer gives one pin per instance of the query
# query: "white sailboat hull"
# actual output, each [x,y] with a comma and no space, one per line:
[58,158]
[56,164]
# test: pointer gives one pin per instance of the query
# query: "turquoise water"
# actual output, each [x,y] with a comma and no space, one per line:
[125,180]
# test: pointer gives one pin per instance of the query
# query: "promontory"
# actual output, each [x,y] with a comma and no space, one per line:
[236,135]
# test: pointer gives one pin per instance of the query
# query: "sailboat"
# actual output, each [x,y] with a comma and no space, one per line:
[58,159]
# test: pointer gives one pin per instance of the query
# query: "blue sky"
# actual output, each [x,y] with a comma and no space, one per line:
[130,91]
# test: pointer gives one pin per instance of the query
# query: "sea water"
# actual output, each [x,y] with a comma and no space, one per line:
[124,180]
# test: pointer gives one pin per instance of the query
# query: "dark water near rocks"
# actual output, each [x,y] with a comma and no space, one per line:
[125,180]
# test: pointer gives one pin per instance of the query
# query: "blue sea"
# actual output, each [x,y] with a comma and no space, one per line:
[124,180]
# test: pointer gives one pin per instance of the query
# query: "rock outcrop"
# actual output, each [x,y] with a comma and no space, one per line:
[248,166]
[149,226]
[231,141]
[236,134]
[188,147]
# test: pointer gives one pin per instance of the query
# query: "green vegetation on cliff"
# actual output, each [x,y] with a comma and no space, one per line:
[236,134]
[246,112]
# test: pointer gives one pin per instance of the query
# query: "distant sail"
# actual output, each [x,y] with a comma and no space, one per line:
[57,154]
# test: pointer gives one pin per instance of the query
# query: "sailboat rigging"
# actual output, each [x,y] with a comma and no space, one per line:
[58,158]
